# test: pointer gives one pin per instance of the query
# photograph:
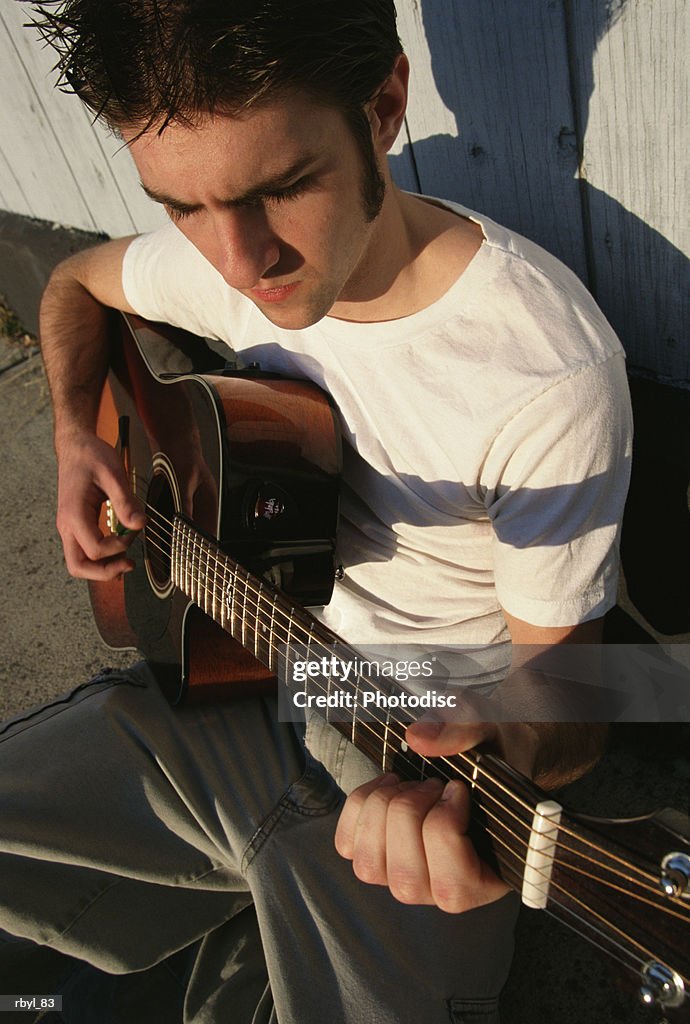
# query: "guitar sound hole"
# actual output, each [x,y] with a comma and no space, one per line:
[158,530]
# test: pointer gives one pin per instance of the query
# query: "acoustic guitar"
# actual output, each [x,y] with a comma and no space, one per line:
[238,474]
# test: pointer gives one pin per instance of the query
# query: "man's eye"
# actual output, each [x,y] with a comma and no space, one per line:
[177,214]
[291,192]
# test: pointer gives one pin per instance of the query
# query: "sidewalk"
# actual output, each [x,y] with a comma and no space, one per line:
[48,636]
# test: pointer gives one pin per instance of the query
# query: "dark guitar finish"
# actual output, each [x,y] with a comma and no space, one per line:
[239,476]
[253,460]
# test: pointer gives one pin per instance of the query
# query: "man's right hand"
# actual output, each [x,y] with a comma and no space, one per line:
[89,472]
[74,342]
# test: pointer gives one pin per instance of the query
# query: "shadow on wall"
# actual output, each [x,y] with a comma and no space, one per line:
[640,279]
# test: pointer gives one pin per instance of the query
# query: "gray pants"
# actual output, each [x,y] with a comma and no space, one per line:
[131,831]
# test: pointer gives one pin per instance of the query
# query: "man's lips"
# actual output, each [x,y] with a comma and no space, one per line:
[277,294]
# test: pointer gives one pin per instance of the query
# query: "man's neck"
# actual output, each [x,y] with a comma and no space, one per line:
[418,250]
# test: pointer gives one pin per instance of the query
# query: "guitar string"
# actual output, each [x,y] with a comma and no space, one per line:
[648,953]
[611,885]
[166,558]
[207,552]
[200,550]
[636,959]
[502,823]
[622,951]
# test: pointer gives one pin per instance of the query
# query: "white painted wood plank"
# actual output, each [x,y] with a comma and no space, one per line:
[37,154]
[102,192]
[12,195]
[144,213]
[634,85]
[491,117]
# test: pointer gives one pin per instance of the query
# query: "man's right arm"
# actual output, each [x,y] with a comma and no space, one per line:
[74,344]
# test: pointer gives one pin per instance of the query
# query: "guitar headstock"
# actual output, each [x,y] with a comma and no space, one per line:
[625,885]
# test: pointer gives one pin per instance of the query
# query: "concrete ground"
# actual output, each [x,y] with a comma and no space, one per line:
[49,642]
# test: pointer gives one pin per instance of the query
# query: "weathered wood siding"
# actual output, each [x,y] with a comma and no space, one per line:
[565,119]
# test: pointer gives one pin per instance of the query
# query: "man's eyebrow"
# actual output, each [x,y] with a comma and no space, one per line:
[252,195]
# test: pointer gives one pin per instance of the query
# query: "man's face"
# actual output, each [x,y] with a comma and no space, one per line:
[273,199]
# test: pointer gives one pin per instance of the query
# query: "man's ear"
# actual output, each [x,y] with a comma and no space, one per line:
[387,109]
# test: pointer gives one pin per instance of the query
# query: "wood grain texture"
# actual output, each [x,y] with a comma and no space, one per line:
[491,116]
[633,87]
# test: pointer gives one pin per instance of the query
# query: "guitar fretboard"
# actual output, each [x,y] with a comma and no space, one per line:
[279,634]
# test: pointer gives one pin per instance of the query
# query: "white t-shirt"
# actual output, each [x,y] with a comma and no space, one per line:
[487,438]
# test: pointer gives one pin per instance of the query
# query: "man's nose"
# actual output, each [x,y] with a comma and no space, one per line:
[247,247]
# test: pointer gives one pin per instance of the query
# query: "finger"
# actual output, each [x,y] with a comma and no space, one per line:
[433,738]
[93,544]
[349,816]
[81,566]
[406,864]
[458,879]
[369,843]
[126,506]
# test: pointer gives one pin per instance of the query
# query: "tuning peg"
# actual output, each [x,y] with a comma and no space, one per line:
[662,986]
[675,874]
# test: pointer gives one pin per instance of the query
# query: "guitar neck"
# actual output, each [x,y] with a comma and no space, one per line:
[280,634]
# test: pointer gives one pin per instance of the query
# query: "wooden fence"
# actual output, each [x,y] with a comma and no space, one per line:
[564,119]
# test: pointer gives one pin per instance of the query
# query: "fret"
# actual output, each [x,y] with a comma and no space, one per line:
[353,735]
[329,679]
[215,612]
[271,631]
[199,573]
[203,574]
[226,592]
[257,619]
[231,592]
[288,641]
[356,705]
[180,580]
[244,611]
[195,570]
[190,564]
[208,592]
[329,682]
[310,682]
[180,555]
[175,553]
[185,558]
[384,752]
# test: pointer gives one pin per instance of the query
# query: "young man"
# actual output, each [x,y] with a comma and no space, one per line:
[483,404]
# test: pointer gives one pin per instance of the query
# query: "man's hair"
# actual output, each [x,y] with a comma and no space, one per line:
[147,63]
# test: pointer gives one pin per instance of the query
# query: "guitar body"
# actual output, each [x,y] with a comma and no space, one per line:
[253,462]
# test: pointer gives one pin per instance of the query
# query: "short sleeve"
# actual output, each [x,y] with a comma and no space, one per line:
[165,278]
[555,482]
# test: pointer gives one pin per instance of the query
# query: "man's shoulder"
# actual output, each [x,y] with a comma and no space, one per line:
[535,308]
